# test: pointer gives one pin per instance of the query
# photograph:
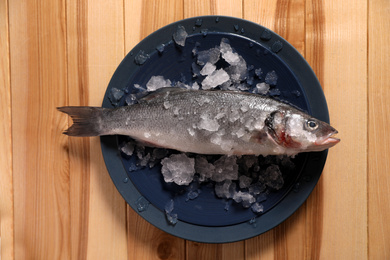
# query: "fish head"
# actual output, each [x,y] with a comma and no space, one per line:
[299,132]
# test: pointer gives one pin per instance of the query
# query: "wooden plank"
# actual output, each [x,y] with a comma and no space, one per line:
[201,250]
[343,70]
[38,76]
[144,240]
[79,148]
[6,183]
[215,251]
[105,49]
[144,17]
[378,125]
[287,19]
[218,7]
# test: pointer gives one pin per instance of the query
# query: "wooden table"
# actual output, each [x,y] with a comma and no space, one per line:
[57,200]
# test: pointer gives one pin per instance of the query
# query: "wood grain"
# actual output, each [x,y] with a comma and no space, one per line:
[345,174]
[79,148]
[6,180]
[41,177]
[378,123]
[57,199]
[107,209]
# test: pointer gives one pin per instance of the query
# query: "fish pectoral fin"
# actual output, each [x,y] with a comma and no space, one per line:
[160,94]
[259,137]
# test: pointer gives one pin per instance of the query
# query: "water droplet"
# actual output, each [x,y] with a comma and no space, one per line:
[160,48]
[266,35]
[296,187]
[253,222]
[297,93]
[141,57]
[274,92]
[126,180]
[198,22]
[236,27]
[277,46]
[142,204]
[242,30]
[217,19]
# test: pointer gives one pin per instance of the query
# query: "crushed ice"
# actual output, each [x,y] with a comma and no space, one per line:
[226,173]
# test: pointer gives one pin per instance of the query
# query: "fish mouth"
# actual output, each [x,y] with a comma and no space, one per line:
[329,140]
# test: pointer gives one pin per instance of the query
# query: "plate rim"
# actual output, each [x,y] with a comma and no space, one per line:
[291,202]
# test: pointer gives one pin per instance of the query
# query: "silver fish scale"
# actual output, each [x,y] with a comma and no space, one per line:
[210,122]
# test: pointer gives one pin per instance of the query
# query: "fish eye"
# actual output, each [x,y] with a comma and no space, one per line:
[311,125]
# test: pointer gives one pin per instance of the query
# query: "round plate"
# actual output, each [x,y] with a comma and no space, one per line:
[205,219]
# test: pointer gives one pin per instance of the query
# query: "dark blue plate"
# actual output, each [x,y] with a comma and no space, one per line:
[204,219]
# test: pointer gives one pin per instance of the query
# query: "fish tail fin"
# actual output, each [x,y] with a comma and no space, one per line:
[86,120]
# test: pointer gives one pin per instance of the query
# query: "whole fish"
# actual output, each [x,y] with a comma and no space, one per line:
[208,122]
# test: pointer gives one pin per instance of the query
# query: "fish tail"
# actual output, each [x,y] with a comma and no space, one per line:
[86,120]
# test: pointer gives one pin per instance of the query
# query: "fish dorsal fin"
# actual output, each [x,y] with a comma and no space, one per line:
[160,94]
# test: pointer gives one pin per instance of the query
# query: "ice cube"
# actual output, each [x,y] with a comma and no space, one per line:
[215,79]
[208,56]
[241,132]
[245,181]
[115,96]
[273,177]
[195,86]
[271,78]
[159,153]
[245,198]
[131,99]
[225,189]
[145,160]
[274,92]
[171,217]
[138,88]
[238,72]
[208,69]
[256,188]
[242,86]
[128,148]
[208,123]
[133,167]
[258,72]
[257,207]
[169,206]
[203,168]
[167,104]
[191,131]
[261,88]
[195,70]
[156,82]
[180,35]
[178,168]
[227,206]
[226,168]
